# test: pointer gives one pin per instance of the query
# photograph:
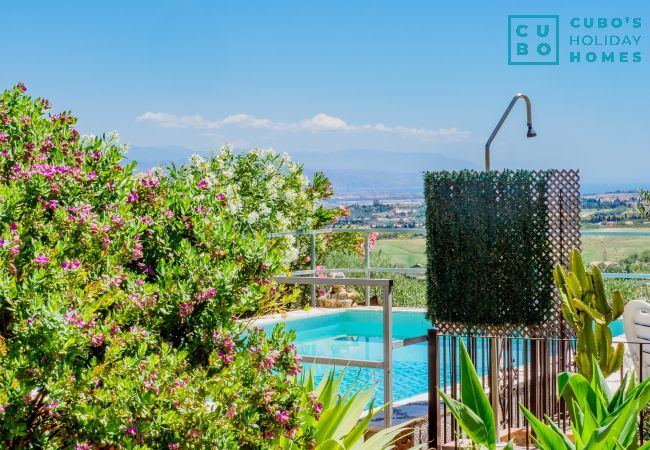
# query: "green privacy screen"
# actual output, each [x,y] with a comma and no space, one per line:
[489,260]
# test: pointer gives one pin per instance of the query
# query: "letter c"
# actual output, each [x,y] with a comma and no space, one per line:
[519,32]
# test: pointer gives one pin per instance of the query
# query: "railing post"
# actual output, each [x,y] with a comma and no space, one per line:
[387,294]
[313,268]
[494,379]
[434,382]
[641,415]
[366,263]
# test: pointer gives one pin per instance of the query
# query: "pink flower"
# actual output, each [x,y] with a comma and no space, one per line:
[45,103]
[282,417]
[268,362]
[132,430]
[82,446]
[52,405]
[4,137]
[185,309]
[133,197]
[96,340]
[21,86]
[42,260]
[174,445]
[231,411]
[74,264]
[202,184]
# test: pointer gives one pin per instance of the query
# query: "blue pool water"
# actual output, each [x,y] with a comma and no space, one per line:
[358,334]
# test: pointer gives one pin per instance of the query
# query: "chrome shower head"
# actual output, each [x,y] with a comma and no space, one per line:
[531,133]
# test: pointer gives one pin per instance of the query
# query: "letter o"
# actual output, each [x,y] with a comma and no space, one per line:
[544,49]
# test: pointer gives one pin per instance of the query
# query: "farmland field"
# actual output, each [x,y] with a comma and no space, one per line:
[406,252]
[403,252]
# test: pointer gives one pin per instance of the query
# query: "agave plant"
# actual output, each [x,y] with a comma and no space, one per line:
[600,419]
[473,413]
[341,424]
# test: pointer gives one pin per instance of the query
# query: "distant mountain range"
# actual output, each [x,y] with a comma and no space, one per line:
[350,170]
[361,170]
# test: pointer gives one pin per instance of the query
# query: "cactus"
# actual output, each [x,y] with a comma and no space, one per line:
[588,311]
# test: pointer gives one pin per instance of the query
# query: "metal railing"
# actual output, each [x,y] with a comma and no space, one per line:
[525,373]
[534,365]
[367,269]
[387,364]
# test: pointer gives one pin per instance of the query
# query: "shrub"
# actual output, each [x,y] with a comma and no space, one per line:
[120,292]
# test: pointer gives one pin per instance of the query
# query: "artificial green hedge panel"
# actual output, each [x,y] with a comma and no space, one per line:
[488,252]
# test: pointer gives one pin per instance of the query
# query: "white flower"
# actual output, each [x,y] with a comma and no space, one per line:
[290,195]
[264,209]
[198,161]
[252,217]
[113,136]
[291,255]
[87,139]
[283,222]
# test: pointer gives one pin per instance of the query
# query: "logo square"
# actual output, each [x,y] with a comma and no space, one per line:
[534,40]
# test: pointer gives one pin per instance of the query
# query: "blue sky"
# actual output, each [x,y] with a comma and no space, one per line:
[404,76]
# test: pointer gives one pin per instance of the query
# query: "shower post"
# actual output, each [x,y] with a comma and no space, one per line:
[387,294]
[366,262]
[313,268]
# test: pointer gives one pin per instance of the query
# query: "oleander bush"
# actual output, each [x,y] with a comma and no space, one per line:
[120,292]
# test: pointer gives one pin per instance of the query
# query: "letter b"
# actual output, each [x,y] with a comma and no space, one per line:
[522,49]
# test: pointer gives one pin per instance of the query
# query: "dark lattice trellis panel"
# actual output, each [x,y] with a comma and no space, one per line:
[492,240]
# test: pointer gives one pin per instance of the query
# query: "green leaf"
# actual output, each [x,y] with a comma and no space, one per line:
[331,444]
[578,267]
[574,286]
[617,430]
[468,420]
[598,383]
[618,305]
[473,395]
[547,438]
[384,438]
[567,441]
[595,315]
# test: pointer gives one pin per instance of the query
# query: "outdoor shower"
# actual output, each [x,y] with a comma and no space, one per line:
[529,115]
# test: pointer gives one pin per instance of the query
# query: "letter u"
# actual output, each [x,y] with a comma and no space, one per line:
[543,33]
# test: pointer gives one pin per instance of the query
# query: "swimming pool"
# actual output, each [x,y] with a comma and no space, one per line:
[358,334]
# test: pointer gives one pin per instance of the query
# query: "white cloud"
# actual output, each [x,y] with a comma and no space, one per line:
[319,123]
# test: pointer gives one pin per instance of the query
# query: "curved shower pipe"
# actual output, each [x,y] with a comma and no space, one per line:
[529,115]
